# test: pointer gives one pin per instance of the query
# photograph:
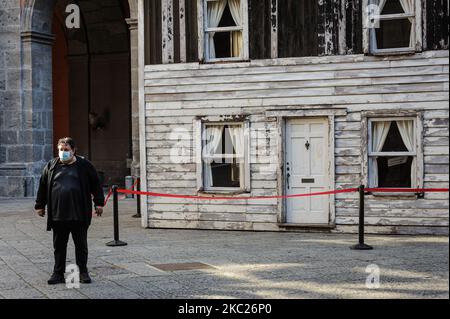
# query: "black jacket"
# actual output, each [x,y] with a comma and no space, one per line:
[89,183]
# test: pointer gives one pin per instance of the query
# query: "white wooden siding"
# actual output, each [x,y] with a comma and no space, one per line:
[177,94]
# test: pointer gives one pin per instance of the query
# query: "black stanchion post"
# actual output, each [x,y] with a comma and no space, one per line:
[138,200]
[361,245]
[116,241]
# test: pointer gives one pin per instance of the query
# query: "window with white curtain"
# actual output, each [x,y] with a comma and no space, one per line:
[392,153]
[396,28]
[223,156]
[225,29]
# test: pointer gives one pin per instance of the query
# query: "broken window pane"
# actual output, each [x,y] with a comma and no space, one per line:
[393,34]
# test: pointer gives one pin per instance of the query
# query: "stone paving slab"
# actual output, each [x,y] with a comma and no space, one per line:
[244,264]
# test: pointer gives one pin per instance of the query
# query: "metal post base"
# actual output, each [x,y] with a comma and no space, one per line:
[361,247]
[115,243]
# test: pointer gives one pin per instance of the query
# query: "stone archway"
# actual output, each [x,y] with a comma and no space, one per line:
[36,136]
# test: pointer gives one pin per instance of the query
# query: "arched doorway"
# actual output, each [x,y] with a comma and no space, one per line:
[91,84]
[88,90]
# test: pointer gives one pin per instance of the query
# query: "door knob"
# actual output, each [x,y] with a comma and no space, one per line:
[307,145]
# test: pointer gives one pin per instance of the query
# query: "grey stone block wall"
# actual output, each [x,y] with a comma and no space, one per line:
[13,172]
[25,104]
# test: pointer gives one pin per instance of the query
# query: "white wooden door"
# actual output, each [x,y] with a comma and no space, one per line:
[307,170]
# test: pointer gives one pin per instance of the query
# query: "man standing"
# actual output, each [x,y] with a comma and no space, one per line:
[68,185]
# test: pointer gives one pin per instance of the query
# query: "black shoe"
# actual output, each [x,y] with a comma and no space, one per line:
[84,278]
[56,279]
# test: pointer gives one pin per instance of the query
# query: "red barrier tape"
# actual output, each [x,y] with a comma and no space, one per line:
[108,196]
[406,190]
[111,191]
[126,191]
[349,190]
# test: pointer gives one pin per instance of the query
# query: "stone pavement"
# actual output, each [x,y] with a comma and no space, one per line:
[242,264]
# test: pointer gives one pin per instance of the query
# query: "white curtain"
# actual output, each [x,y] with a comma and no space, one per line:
[237,139]
[236,36]
[213,140]
[380,132]
[406,129]
[409,8]
[215,12]
[381,4]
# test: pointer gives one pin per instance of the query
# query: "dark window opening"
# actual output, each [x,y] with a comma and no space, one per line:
[222,40]
[393,34]
[392,7]
[226,171]
[394,171]
[227,19]
[394,141]
[225,174]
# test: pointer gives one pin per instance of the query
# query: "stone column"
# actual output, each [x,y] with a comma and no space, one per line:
[36,132]
[133,24]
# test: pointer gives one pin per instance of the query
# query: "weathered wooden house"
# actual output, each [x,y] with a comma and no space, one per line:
[279,97]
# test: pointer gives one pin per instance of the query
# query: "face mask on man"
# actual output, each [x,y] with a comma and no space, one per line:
[65,156]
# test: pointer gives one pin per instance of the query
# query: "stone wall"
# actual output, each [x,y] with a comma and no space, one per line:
[12,170]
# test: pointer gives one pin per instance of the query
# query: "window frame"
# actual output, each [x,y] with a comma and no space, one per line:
[369,34]
[199,129]
[203,47]
[367,118]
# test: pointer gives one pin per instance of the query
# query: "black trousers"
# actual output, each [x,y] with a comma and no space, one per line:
[61,232]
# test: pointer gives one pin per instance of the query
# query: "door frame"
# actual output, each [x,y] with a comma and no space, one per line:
[282,125]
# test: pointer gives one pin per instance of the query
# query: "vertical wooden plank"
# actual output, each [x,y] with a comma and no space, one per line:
[366,30]
[191,31]
[198,153]
[354,28]
[311,28]
[274,29]
[280,169]
[167,31]
[418,25]
[419,149]
[201,33]
[364,178]
[247,149]
[152,31]
[182,19]
[342,27]
[260,28]
[142,135]
[246,53]
[147,21]
[176,30]
[424,25]
[332,183]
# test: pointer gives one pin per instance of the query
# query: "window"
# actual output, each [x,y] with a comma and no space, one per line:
[224,161]
[225,30]
[395,29]
[393,153]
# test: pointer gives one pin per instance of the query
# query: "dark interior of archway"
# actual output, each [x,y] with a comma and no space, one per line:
[91,85]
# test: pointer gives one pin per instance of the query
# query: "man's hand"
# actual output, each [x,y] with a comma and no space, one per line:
[41,212]
[99,211]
